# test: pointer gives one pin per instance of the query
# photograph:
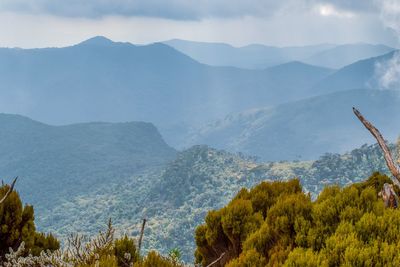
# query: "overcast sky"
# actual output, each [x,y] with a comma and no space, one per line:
[44,23]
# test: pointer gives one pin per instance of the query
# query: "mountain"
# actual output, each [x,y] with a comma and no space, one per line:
[253,56]
[56,163]
[101,80]
[343,55]
[306,128]
[176,200]
[257,56]
[361,74]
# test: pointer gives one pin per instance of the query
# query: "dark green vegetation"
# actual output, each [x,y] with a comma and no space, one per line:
[307,128]
[21,245]
[17,225]
[276,224]
[57,164]
[176,199]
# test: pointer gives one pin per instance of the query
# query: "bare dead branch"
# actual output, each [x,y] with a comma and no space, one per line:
[141,235]
[217,260]
[9,190]
[394,169]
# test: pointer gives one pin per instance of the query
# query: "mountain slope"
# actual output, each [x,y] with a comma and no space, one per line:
[306,128]
[100,80]
[360,74]
[343,55]
[59,162]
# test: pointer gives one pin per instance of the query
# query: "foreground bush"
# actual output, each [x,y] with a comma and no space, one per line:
[22,246]
[101,251]
[276,224]
[17,226]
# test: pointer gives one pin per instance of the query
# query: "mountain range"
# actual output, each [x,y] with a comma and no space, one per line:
[305,129]
[257,56]
[101,80]
[275,113]
[113,116]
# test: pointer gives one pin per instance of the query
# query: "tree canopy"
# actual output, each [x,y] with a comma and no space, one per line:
[276,224]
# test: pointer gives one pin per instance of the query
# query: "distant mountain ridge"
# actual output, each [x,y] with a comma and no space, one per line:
[343,55]
[100,80]
[306,128]
[258,56]
[361,74]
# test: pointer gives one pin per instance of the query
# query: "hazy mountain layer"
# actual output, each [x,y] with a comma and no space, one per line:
[307,128]
[250,56]
[342,55]
[361,74]
[99,80]
[57,163]
[261,56]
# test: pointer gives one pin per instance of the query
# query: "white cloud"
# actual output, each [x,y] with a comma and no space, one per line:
[388,73]
[181,9]
[285,30]
[41,23]
[328,10]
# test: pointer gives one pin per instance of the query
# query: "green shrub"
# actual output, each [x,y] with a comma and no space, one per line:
[276,224]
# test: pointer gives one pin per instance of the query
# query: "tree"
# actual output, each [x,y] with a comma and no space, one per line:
[17,225]
[347,226]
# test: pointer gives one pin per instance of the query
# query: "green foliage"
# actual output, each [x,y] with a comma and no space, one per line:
[343,227]
[199,180]
[226,230]
[44,241]
[153,259]
[125,251]
[175,255]
[249,258]
[17,226]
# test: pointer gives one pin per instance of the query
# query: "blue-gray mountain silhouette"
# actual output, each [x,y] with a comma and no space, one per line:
[101,80]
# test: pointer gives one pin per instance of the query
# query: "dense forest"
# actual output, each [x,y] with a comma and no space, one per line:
[272,224]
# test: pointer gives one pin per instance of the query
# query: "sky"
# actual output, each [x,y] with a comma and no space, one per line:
[57,23]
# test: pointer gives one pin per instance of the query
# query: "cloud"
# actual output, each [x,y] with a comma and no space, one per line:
[354,6]
[43,23]
[172,9]
[388,72]
[178,9]
[328,10]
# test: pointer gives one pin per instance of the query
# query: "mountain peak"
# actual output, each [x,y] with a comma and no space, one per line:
[97,40]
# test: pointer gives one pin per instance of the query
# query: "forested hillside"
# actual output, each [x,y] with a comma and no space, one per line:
[57,163]
[176,199]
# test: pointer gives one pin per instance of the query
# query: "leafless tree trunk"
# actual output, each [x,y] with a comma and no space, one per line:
[141,236]
[393,167]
